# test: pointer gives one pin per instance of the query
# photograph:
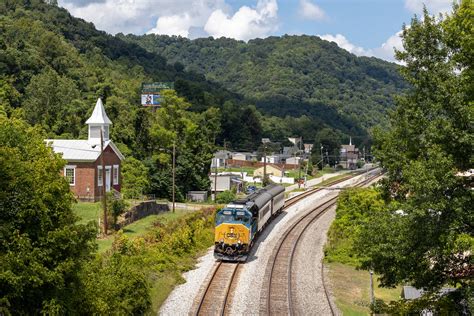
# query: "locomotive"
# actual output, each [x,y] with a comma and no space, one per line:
[239,223]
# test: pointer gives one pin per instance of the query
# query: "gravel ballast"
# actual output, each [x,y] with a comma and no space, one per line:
[246,298]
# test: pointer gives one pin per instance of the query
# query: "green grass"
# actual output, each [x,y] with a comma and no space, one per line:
[87,211]
[140,227]
[249,170]
[332,179]
[351,289]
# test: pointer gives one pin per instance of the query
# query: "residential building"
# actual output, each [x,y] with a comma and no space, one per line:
[243,156]
[293,160]
[225,182]
[220,159]
[83,169]
[273,170]
[349,156]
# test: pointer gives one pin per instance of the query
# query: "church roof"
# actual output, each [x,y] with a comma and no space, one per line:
[98,115]
[80,150]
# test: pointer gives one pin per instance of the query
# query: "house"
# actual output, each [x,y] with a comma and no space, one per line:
[272,170]
[349,155]
[272,159]
[293,160]
[220,159]
[84,158]
[242,156]
[225,182]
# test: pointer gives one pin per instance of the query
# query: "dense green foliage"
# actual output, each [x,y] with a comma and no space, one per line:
[354,208]
[54,66]
[42,251]
[193,136]
[162,254]
[225,197]
[289,75]
[135,180]
[426,238]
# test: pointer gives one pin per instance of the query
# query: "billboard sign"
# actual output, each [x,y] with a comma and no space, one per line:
[156,87]
[151,99]
[151,92]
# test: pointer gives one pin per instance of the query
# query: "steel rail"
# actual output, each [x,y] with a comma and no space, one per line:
[213,291]
[312,216]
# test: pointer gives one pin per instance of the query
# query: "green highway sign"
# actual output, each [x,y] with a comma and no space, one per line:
[155,87]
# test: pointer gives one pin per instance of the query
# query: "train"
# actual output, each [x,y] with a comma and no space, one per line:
[238,224]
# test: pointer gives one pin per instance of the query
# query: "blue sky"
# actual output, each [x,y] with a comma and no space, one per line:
[363,27]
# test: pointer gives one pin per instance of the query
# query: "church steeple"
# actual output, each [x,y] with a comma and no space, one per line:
[350,140]
[98,120]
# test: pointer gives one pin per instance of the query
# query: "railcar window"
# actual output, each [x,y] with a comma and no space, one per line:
[223,218]
[240,216]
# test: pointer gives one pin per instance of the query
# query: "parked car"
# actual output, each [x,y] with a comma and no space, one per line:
[251,189]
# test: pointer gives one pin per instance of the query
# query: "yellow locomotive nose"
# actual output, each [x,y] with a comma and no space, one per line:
[232,234]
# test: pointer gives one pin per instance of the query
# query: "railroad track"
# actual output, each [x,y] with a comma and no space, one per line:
[279,295]
[293,200]
[214,299]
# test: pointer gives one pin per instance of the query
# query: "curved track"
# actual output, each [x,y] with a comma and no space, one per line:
[214,299]
[279,293]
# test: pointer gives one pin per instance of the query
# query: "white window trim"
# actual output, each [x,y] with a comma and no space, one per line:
[115,175]
[99,175]
[73,167]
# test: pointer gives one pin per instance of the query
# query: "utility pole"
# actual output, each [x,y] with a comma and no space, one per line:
[322,157]
[299,164]
[225,160]
[372,296]
[104,192]
[265,141]
[174,173]
[264,181]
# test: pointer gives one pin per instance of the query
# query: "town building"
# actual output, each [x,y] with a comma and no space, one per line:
[272,170]
[83,170]
[349,155]
[225,182]
[220,159]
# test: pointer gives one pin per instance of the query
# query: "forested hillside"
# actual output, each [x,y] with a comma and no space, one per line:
[54,66]
[289,75]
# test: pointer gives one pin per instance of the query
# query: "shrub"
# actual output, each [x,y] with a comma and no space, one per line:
[225,197]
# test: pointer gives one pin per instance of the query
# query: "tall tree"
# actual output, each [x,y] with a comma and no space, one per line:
[426,238]
[194,136]
[41,249]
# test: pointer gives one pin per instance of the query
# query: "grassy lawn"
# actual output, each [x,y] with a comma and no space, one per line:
[351,289]
[87,211]
[332,179]
[249,170]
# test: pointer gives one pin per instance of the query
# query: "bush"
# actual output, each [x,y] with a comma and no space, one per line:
[354,207]
[225,197]
[117,206]
[360,164]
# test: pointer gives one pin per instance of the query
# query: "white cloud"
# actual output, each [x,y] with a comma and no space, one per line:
[139,16]
[343,42]
[433,6]
[178,17]
[385,51]
[246,23]
[311,11]
[173,25]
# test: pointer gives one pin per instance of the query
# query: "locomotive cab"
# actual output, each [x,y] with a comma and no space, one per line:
[233,233]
